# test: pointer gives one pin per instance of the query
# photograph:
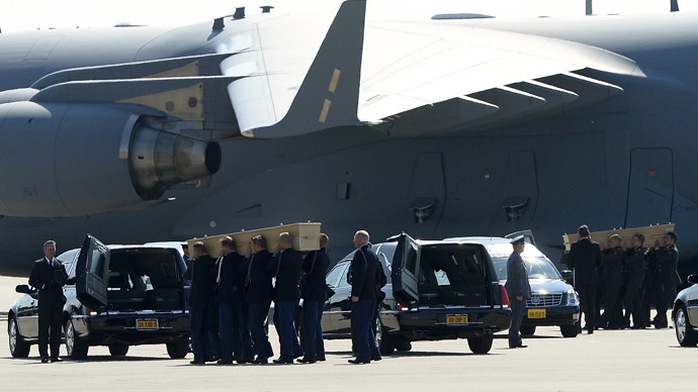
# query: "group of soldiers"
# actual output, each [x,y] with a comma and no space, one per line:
[231,296]
[628,282]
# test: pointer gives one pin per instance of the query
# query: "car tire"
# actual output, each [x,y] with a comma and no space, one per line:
[569,331]
[481,345]
[528,330]
[403,345]
[179,348]
[386,343]
[75,346]
[685,334]
[118,349]
[18,347]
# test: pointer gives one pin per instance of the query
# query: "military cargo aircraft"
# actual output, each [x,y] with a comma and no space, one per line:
[457,125]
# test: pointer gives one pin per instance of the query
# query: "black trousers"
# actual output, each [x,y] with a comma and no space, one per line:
[587,303]
[50,327]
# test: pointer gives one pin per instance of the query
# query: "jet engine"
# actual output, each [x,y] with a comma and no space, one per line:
[68,159]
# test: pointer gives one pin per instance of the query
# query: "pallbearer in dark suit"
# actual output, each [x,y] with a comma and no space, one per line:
[48,275]
[202,273]
[315,267]
[612,281]
[258,296]
[667,278]
[232,327]
[518,289]
[635,267]
[289,264]
[364,291]
[585,258]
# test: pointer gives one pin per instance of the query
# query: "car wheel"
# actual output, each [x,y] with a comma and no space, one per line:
[386,342]
[528,330]
[403,345]
[75,345]
[178,349]
[118,349]
[18,347]
[569,331]
[685,333]
[481,345]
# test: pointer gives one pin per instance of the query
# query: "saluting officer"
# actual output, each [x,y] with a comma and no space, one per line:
[635,266]
[518,289]
[613,260]
[667,258]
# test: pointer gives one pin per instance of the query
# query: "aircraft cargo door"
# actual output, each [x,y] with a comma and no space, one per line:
[650,187]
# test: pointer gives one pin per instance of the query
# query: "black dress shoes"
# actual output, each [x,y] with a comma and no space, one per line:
[321,359]
[519,346]
[224,362]
[283,361]
[44,359]
[358,362]
[306,360]
[261,361]
[56,359]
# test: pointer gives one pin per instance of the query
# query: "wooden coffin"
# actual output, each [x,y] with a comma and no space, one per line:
[306,237]
[653,236]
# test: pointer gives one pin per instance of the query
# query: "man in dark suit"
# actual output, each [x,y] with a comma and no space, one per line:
[258,296]
[315,267]
[289,264]
[232,326]
[48,275]
[202,273]
[585,258]
[635,267]
[364,291]
[518,289]
[612,281]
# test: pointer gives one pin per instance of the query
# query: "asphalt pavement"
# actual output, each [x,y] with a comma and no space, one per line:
[627,360]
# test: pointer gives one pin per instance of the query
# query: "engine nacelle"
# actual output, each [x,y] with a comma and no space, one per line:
[61,160]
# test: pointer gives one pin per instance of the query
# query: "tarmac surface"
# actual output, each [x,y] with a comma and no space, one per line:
[637,360]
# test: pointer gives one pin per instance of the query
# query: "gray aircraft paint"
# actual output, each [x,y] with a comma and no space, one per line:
[625,161]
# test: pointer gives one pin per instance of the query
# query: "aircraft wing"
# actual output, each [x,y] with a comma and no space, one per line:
[424,76]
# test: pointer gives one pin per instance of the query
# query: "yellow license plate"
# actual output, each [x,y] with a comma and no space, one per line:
[457,319]
[147,324]
[536,313]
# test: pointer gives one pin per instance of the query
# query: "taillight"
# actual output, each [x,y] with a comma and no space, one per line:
[400,307]
[505,296]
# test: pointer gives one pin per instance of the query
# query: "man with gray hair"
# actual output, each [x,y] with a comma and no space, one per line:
[48,275]
[364,291]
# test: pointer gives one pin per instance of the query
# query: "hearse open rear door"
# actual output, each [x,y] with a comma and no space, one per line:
[405,271]
[91,273]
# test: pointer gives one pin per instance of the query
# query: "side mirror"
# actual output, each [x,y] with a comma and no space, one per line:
[568,276]
[24,289]
[692,278]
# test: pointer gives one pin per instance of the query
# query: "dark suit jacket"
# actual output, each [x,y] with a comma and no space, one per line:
[258,276]
[202,273]
[585,257]
[49,280]
[289,265]
[315,267]
[233,272]
[517,278]
[364,274]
